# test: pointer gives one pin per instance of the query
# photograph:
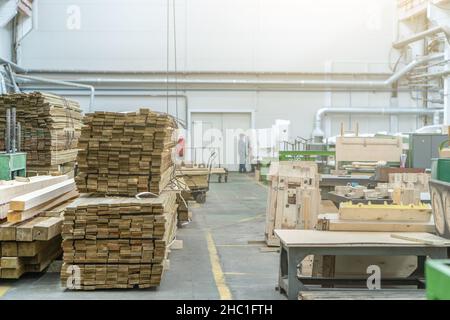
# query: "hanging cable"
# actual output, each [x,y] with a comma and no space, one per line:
[167,54]
[175,56]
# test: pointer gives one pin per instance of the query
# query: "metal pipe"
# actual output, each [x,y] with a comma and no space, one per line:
[8,131]
[13,130]
[351,84]
[2,84]
[417,37]
[320,114]
[432,75]
[199,89]
[13,65]
[64,83]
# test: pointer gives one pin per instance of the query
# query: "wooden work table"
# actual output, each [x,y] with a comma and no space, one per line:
[296,245]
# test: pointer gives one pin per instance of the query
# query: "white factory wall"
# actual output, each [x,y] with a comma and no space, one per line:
[5,41]
[226,35]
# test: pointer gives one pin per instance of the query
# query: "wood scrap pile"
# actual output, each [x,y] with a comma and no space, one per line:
[117,243]
[30,241]
[123,154]
[51,126]
[294,197]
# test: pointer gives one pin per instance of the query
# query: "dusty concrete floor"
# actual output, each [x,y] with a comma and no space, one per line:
[217,260]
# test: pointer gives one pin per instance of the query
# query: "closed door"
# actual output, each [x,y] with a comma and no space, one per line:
[218,132]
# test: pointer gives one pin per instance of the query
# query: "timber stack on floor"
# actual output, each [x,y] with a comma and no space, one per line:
[29,239]
[294,197]
[123,154]
[117,243]
[111,239]
[51,126]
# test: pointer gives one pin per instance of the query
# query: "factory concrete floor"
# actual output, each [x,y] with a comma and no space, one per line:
[221,257]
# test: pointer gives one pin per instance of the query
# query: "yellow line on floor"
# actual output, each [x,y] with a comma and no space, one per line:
[252,218]
[238,245]
[219,277]
[4,290]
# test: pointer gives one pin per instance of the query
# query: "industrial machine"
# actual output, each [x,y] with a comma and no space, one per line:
[423,147]
[12,161]
[437,273]
[440,192]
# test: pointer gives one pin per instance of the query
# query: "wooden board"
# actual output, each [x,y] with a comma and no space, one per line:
[313,238]
[348,211]
[48,228]
[422,238]
[351,149]
[343,294]
[11,191]
[17,216]
[39,197]
[333,223]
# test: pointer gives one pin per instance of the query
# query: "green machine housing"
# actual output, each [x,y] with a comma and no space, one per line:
[437,273]
[13,165]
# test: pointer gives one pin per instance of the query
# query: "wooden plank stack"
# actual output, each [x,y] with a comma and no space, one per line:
[30,240]
[29,246]
[117,243]
[126,153]
[294,197]
[51,126]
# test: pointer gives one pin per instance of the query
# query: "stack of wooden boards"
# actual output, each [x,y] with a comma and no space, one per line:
[123,154]
[294,197]
[30,239]
[51,126]
[117,243]
[113,242]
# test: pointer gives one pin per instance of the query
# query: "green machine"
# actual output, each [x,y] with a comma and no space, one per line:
[437,273]
[13,163]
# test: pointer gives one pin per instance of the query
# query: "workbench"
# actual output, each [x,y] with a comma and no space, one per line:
[296,245]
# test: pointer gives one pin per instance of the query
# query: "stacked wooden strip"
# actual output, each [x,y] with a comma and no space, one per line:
[117,242]
[31,204]
[21,257]
[29,246]
[51,126]
[111,276]
[126,153]
[29,241]
[15,188]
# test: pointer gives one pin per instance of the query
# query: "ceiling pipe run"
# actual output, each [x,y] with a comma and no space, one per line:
[318,132]
[419,36]
[350,84]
